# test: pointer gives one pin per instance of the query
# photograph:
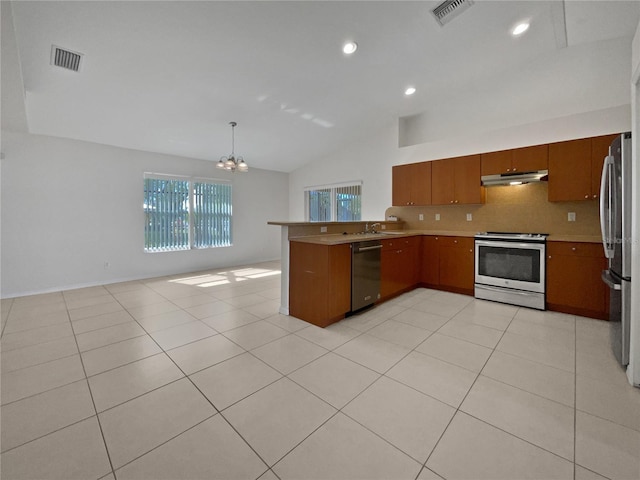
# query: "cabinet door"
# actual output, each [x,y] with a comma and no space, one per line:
[430,267]
[389,283]
[574,285]
[442,182]
[570,170]
[495,163]
[468,188]
[401,185]
[456,264]
[420,183]
[599,150]
[529,159]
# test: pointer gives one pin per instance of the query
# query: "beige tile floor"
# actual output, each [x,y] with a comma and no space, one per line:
[199,377]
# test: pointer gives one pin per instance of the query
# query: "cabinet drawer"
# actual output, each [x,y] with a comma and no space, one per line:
[399,243]
[462,242]
[576,249]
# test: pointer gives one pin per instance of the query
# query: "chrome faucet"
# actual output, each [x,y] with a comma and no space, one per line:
[373,227]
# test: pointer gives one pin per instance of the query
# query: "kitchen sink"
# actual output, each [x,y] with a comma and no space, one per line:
[391,232]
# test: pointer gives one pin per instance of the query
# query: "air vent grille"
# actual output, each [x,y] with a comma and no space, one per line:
[448,10]
[61,57]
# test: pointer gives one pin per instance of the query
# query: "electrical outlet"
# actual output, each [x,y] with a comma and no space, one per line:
[571,216]
[437,217]
[469,217]
[420,216]
[383,227]
[323,229]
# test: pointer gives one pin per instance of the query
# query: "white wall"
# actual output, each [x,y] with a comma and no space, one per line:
[69,206]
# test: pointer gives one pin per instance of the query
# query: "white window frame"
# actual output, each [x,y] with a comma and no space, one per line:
[333,198]
[191,181]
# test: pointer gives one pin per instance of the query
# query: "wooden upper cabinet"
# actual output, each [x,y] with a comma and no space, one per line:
[411,184]
[529,159]
[526,159]
[456,181]
[575,168]
[599,150]
[495,163]
[570,170]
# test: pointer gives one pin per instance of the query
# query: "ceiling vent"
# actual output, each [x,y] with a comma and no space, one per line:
[450,9]
[61,57]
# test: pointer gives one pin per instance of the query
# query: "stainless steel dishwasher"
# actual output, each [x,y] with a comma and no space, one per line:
[365,273]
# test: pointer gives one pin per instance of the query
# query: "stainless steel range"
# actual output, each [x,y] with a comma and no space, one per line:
[510,268]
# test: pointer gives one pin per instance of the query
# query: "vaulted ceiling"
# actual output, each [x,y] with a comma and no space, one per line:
[169,76]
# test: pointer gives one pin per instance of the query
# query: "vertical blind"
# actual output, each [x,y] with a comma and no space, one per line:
[211,215]
[181,214]
[340,203]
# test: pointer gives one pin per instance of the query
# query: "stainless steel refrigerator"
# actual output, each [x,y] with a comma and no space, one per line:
[615,222]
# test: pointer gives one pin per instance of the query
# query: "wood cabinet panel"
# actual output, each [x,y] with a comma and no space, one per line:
[570,170]
[495,163]
[442,182]
[456,181]
[399,267]
[529,159]
[575,168]
[411,184]
[430,265]
[573,279]
[457,264]
[468,188]
[319,282]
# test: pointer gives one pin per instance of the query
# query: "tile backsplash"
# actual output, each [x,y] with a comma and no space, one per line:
[520,208]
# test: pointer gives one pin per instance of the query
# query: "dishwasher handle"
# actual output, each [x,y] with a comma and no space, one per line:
[364,249]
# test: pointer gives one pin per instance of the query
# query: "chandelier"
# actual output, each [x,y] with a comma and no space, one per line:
[231,162]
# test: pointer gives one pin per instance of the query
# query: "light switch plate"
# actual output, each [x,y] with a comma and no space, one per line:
[469,217]
[323,229]
[437,217]
[420,216]
[571,216]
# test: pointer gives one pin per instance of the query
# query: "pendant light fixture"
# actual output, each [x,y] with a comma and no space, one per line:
[231,162]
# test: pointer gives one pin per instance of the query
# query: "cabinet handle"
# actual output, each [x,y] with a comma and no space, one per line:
[549,256]
[508,169]
[471,250]
[455,241]
[595,196]
[456,201]
[586,196]
[573,249]
[451,201]
[436,238]
[513,169]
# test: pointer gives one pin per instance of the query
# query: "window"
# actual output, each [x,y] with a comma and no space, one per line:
[334,203]
[182,213]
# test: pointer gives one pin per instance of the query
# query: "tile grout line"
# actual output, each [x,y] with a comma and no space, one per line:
[424,465]
[104,441]
[217,411]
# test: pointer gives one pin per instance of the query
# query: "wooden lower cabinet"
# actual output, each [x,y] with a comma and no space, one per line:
[448,263]
[319,282]
[457,264]
[399,266]
[574,284]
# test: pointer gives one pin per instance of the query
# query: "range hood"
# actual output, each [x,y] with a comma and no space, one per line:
[516,178]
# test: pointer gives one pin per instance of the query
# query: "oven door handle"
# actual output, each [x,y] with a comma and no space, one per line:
[524,245]
[502,290]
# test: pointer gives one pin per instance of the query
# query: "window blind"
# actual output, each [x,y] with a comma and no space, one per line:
[182,213]
[334,203]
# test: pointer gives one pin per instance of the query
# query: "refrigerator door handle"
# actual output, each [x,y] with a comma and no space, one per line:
[606,278]
[605,196]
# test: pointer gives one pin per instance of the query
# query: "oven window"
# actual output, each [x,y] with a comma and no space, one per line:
[509,263]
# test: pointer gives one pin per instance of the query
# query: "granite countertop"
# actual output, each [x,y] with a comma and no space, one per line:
[337,239]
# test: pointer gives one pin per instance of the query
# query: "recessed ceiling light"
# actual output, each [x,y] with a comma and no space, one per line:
[349,47]
[520,29]
[410,91]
